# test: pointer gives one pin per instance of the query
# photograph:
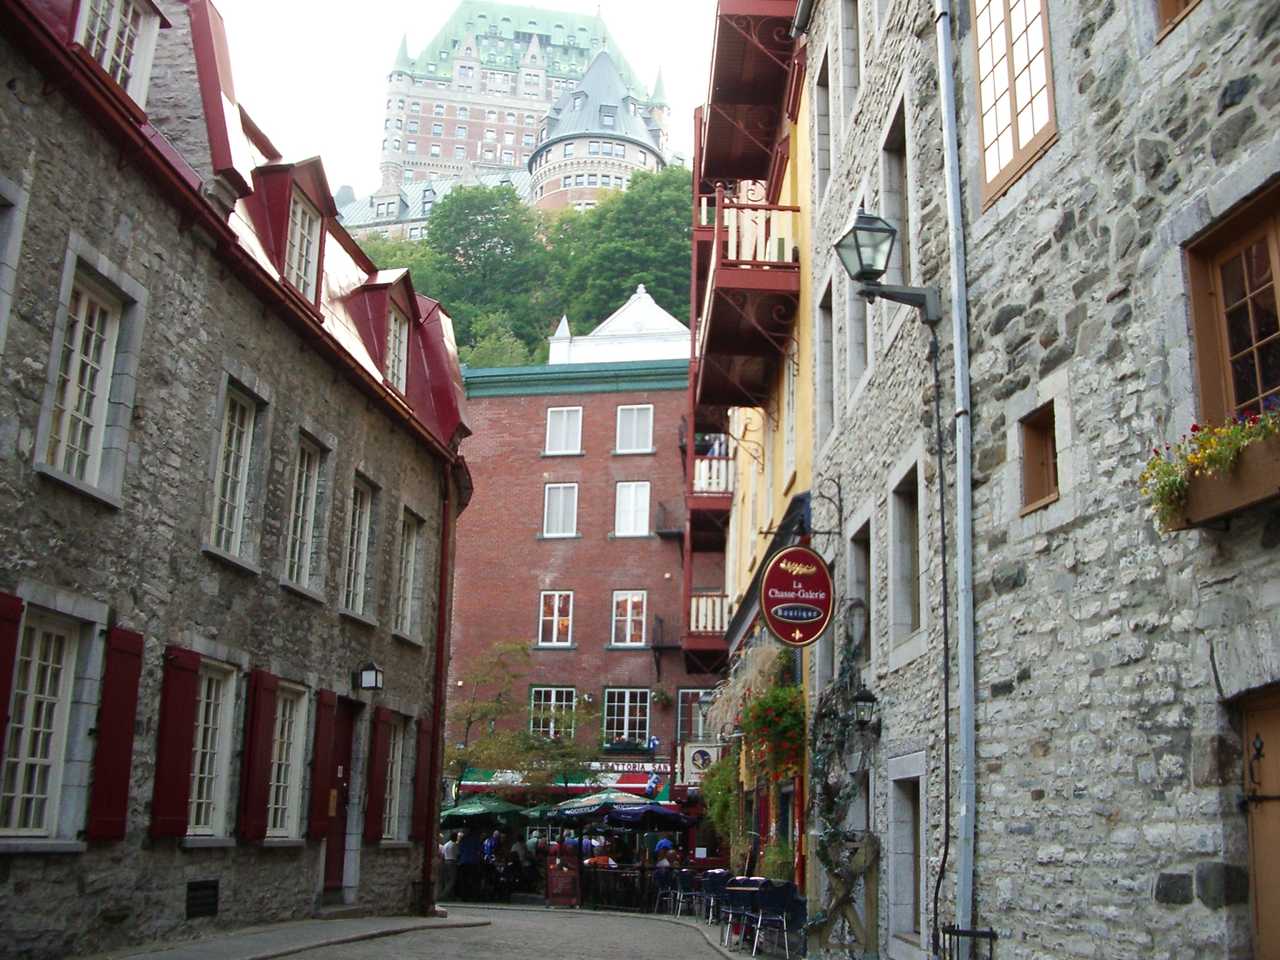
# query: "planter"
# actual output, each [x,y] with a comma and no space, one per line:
[1254,479]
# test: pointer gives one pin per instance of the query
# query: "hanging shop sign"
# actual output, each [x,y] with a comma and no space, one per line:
[796,596]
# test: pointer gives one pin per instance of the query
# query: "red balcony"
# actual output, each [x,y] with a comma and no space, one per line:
[705,646]
[751,61]
[748,308]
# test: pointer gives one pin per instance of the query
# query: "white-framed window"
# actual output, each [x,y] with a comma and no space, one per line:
[555,618]
[303,512]
[121,36]
[631,509]
[359,523]
[397,348]
[626,715]
[303,253]
[635,429]
[85,362]
[551,711]
[284,797]
[391,791]
[407,575]
[211,754]
[692,724]
[36,737]
[560,510]
[628,617]
[232,478]
[564,430]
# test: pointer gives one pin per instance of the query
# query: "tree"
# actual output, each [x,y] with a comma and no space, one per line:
[495,344]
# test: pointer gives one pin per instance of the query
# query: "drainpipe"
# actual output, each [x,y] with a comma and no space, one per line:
[438,691]
[964,466]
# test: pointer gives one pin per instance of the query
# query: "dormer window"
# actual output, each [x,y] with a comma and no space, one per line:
[121,36]
[578,100]
[397,348]
[608,117]
[304,246]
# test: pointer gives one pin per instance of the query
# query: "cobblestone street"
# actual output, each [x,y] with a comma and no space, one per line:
[536,935]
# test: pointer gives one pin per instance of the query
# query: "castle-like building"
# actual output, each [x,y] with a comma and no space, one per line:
[491,94]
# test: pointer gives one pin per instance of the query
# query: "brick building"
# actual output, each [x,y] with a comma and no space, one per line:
[229,478]
[573,543]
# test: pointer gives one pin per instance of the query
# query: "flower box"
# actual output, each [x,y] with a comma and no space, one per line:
[1254,479]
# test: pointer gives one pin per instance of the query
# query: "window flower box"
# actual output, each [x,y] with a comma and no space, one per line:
[1254,479]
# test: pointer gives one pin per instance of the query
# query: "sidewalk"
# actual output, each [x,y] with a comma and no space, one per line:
[283,939]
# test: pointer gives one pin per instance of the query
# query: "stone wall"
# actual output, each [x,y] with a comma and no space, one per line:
[1108,654]
[140,562]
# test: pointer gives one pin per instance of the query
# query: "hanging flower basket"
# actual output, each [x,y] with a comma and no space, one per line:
[1214,472]
[773,731]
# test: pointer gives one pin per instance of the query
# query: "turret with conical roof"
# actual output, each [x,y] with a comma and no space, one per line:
[403,60]
[659,98]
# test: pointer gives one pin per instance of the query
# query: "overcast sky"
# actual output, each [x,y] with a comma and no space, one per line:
[313,73]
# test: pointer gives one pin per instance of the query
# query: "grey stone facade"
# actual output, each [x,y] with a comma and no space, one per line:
[133,551]
[1111,659]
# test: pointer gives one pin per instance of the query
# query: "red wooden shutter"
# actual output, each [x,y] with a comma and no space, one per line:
[255,771]
[419,828]
[10,622]
[322,764]
[113,756]
[174,741]
[376,774]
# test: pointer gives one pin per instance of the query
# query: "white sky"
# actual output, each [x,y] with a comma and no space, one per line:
[313,73]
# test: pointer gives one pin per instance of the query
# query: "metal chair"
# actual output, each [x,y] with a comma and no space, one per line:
[686,891]
[735,908]
[664,883]
[713,884]
[774,905]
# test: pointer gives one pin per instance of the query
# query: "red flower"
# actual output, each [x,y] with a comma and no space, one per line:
[1195,428]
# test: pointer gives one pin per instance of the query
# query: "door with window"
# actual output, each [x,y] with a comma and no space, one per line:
[1262,791]
[335,849]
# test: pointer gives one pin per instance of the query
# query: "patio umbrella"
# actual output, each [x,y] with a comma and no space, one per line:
[595,804]
[542,813]
[486,809]
[648,815]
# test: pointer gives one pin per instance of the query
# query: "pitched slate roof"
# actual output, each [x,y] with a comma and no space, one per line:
[602,90]
[417,198]
[499,48]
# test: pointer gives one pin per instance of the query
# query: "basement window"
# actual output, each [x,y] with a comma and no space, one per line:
[1039,459]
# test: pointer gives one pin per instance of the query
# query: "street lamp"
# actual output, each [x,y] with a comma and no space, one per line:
[864,253]
[369,677]
[864,711]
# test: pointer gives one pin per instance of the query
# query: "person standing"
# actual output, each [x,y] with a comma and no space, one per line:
[469,865]
[449,874]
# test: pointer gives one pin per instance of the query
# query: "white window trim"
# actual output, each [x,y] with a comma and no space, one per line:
[143,48]
[294,762]
[409,575]
[637,523]
[627,698]
[220,795]
[227,533]
[300,547]
[546,514]
[397,348]
[302,264]
[617,443]
[1055,388]
[62,718]
[626,621]
[14,199]
[355,570]
[863,517]
[699,713]
[565,413]
[555,712]
[542,598]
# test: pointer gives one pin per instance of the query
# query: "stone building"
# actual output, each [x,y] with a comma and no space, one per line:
[595,137]
[229,479]
[574,539]
[1098,227]
[477,94]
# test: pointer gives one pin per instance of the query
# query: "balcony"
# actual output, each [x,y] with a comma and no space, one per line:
[705,646]
[749,302]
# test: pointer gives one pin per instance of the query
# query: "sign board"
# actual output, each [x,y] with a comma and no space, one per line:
[695,758]
[796,596]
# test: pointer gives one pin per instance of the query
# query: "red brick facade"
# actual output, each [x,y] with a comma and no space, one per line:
[504,563]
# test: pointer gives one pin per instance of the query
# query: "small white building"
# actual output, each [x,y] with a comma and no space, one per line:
[638,330]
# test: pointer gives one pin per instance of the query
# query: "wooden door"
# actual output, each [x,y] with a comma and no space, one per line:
[1262,787]
[335,849]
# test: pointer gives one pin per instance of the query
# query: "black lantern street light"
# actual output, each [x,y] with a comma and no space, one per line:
[864,253]
[864,711]
[369,677]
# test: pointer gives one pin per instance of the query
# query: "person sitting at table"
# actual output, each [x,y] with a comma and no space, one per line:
[600,860]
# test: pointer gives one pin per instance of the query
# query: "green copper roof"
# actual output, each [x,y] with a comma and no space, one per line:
[659,92]
[577,378]
[569,41]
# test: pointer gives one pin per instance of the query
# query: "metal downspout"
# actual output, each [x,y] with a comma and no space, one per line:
[964,467]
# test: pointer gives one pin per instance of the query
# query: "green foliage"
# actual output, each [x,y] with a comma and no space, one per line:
[777,861]
[720,789]
[506,273]
[773,730]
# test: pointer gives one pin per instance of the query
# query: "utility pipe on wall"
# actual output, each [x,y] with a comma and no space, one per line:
[964,465]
